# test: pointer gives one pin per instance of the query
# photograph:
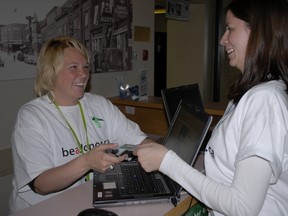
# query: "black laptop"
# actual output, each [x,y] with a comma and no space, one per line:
[129,184]
[172,96]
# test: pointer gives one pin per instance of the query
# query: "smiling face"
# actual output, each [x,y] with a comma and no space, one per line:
[72,79]
[235,40]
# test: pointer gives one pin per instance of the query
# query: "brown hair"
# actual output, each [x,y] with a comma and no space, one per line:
[267,49]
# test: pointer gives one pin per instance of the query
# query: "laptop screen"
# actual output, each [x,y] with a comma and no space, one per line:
[172,96]
[188,131]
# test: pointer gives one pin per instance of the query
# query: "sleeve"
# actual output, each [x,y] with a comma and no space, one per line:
[29,145]
[263,129]
[245,196]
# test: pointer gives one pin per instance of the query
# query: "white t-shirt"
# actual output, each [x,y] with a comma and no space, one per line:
[254,130]
[42,139]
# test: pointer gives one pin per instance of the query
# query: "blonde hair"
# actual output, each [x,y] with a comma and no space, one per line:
[51,59]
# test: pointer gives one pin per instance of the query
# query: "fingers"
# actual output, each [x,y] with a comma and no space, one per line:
[144,145]
[109,150]
[111,157]
[102,157]
[122,158]
[108,146]
[114,161]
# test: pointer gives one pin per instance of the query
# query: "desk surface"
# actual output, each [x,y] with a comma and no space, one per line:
[74,200]
[151,102]
[213,108]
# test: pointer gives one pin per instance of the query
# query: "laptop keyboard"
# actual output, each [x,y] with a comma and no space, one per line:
[136,181]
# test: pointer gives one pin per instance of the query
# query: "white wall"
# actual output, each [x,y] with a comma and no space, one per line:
[185,49]
[13,94]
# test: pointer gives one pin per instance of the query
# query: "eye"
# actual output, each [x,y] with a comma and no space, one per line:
[86,67]
[72,66]
[227,28]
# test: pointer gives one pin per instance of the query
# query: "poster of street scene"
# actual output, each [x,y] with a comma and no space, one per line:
[103,26]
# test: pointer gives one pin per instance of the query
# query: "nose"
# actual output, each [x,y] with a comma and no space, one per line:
[84,72]
[223,40]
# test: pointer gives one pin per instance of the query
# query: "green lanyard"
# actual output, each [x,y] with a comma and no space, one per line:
[73,132]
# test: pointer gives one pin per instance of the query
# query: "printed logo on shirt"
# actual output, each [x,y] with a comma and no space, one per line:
[97,121]
[76,150]
[211,151]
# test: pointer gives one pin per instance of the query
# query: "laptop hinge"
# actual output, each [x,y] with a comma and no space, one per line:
[175,200]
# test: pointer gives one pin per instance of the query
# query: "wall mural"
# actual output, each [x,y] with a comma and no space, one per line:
[103,26]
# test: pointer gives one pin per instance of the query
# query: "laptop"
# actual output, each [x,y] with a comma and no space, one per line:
[172,96]
[185,136]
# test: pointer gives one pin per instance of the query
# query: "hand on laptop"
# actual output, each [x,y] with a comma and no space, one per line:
[151,155]
[101,158]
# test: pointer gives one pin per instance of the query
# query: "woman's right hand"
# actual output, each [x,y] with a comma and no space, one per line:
[98,158]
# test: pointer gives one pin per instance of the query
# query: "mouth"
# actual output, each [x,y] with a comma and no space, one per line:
[229,51]
[79,84]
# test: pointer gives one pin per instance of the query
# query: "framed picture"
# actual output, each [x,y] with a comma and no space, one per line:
[103,26]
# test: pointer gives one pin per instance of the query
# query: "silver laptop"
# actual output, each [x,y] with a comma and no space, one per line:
[129,184]
[172,96]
